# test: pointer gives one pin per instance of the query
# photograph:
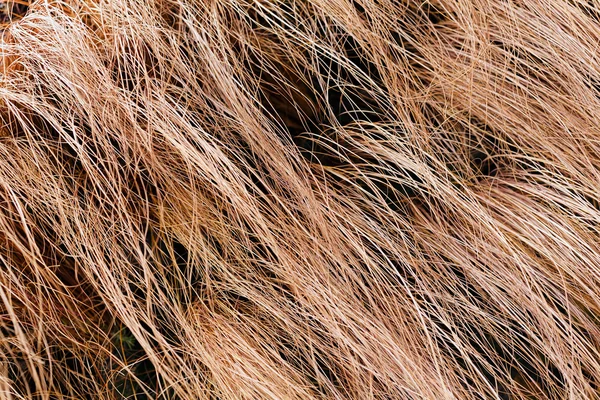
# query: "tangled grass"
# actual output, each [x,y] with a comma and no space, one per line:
[300,199]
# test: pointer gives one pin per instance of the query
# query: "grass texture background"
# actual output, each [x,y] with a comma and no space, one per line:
[300,199]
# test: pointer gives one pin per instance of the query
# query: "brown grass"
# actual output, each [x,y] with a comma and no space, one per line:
[293,199]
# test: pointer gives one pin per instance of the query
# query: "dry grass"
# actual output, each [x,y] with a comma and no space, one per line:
[294,199]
